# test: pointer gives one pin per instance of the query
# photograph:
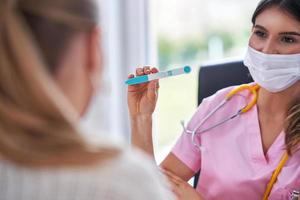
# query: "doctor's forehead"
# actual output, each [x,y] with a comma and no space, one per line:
[276,19]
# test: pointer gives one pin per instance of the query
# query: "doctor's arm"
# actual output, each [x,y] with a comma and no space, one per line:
[142,100]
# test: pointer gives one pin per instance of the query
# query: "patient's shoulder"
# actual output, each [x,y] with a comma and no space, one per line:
[130,175]
[133,175]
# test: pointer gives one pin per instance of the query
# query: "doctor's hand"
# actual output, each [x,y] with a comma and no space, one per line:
[181,188]
[142,98]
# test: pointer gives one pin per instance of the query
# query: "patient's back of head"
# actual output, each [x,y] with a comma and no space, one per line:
[49,59]
[38,121]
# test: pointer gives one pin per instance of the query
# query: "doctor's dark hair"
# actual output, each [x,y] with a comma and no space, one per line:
[292,124]
[292,129]
[38,126]
[291,7]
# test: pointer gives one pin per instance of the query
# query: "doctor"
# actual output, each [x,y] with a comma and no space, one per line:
[239,156]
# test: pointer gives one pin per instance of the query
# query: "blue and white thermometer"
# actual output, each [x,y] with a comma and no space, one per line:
[159,75]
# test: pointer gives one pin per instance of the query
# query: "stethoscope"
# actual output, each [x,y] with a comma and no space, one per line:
[252,88]
[197,130]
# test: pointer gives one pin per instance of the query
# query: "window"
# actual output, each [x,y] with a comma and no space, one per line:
[191,32]
[168,34]
[126,42]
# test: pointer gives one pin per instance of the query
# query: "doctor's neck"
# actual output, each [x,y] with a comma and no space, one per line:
[278,103]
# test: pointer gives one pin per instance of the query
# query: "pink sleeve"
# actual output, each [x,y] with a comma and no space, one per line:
[184,148]
[187,153]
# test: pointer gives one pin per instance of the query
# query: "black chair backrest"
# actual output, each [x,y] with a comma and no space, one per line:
[213,77]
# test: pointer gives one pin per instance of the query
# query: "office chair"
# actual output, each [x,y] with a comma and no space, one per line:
[213,77]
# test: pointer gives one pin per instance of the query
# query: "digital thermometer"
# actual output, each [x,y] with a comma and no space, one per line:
[159,75]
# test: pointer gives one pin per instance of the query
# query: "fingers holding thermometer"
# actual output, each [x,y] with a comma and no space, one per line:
[142,97]
[141,72]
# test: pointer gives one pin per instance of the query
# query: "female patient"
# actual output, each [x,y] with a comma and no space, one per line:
[240,156]
[49,65]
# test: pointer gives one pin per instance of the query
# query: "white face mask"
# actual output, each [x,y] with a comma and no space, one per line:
[274,72]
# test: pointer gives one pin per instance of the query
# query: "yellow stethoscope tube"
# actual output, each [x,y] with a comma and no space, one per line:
[275,174]
[253,89]
[285,156]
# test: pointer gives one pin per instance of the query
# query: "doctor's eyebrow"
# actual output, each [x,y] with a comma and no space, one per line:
[260,27]
[283,33]
[290,33]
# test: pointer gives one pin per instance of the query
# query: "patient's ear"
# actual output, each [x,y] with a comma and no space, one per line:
[94,53]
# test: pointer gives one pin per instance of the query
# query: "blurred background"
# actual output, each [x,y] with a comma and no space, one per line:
[166,34]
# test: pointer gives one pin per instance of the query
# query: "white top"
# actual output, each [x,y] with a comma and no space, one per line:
[130,176]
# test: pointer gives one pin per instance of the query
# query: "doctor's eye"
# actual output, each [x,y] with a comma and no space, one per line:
[288,40]
[260,34]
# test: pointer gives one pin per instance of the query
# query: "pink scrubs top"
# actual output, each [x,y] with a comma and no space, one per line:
[233,164]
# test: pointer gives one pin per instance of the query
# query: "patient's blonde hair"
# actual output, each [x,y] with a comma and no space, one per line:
[37,123]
